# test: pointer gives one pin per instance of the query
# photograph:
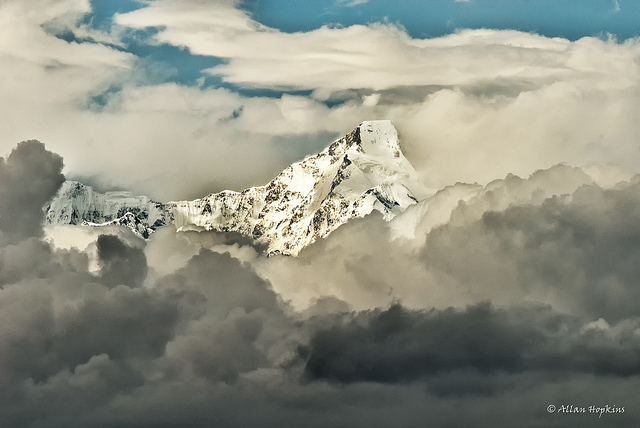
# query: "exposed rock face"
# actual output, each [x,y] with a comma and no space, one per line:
[77,203]
[361,172]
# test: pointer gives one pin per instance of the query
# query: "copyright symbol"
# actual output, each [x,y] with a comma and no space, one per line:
[551,408]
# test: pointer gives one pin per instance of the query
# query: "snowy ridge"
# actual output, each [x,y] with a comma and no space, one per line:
[130,220]
[77,203]
[358,173]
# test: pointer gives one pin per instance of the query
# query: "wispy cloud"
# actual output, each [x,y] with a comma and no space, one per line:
[351,3]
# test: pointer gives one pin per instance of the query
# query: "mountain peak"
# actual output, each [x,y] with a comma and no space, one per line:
[379,137]
[374,137]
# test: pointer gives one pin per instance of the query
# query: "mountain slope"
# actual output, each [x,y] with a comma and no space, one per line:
[358,173]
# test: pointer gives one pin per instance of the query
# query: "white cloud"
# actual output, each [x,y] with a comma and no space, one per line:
[371,100]
[376,56]
[351,3]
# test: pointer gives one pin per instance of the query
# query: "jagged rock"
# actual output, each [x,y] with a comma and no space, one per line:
[77,203]
[130,220]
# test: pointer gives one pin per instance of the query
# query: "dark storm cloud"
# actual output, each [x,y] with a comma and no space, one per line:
[225,281]
[400,345]
[30,258]
[29,177]
[45,331]
[118,353]
[234,323]
[121,264]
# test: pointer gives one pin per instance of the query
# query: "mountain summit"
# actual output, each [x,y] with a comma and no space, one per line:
[358,173]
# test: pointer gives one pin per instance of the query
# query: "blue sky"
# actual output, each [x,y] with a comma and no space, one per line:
[571,19]
[178,64]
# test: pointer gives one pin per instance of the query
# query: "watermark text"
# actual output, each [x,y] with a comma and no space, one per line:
[599,410]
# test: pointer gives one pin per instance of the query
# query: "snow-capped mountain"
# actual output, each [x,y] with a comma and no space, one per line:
[358,173]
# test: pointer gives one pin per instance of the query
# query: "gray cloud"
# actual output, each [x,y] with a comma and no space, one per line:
[398,345]
[120,263]
[29,177]
[579,253]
